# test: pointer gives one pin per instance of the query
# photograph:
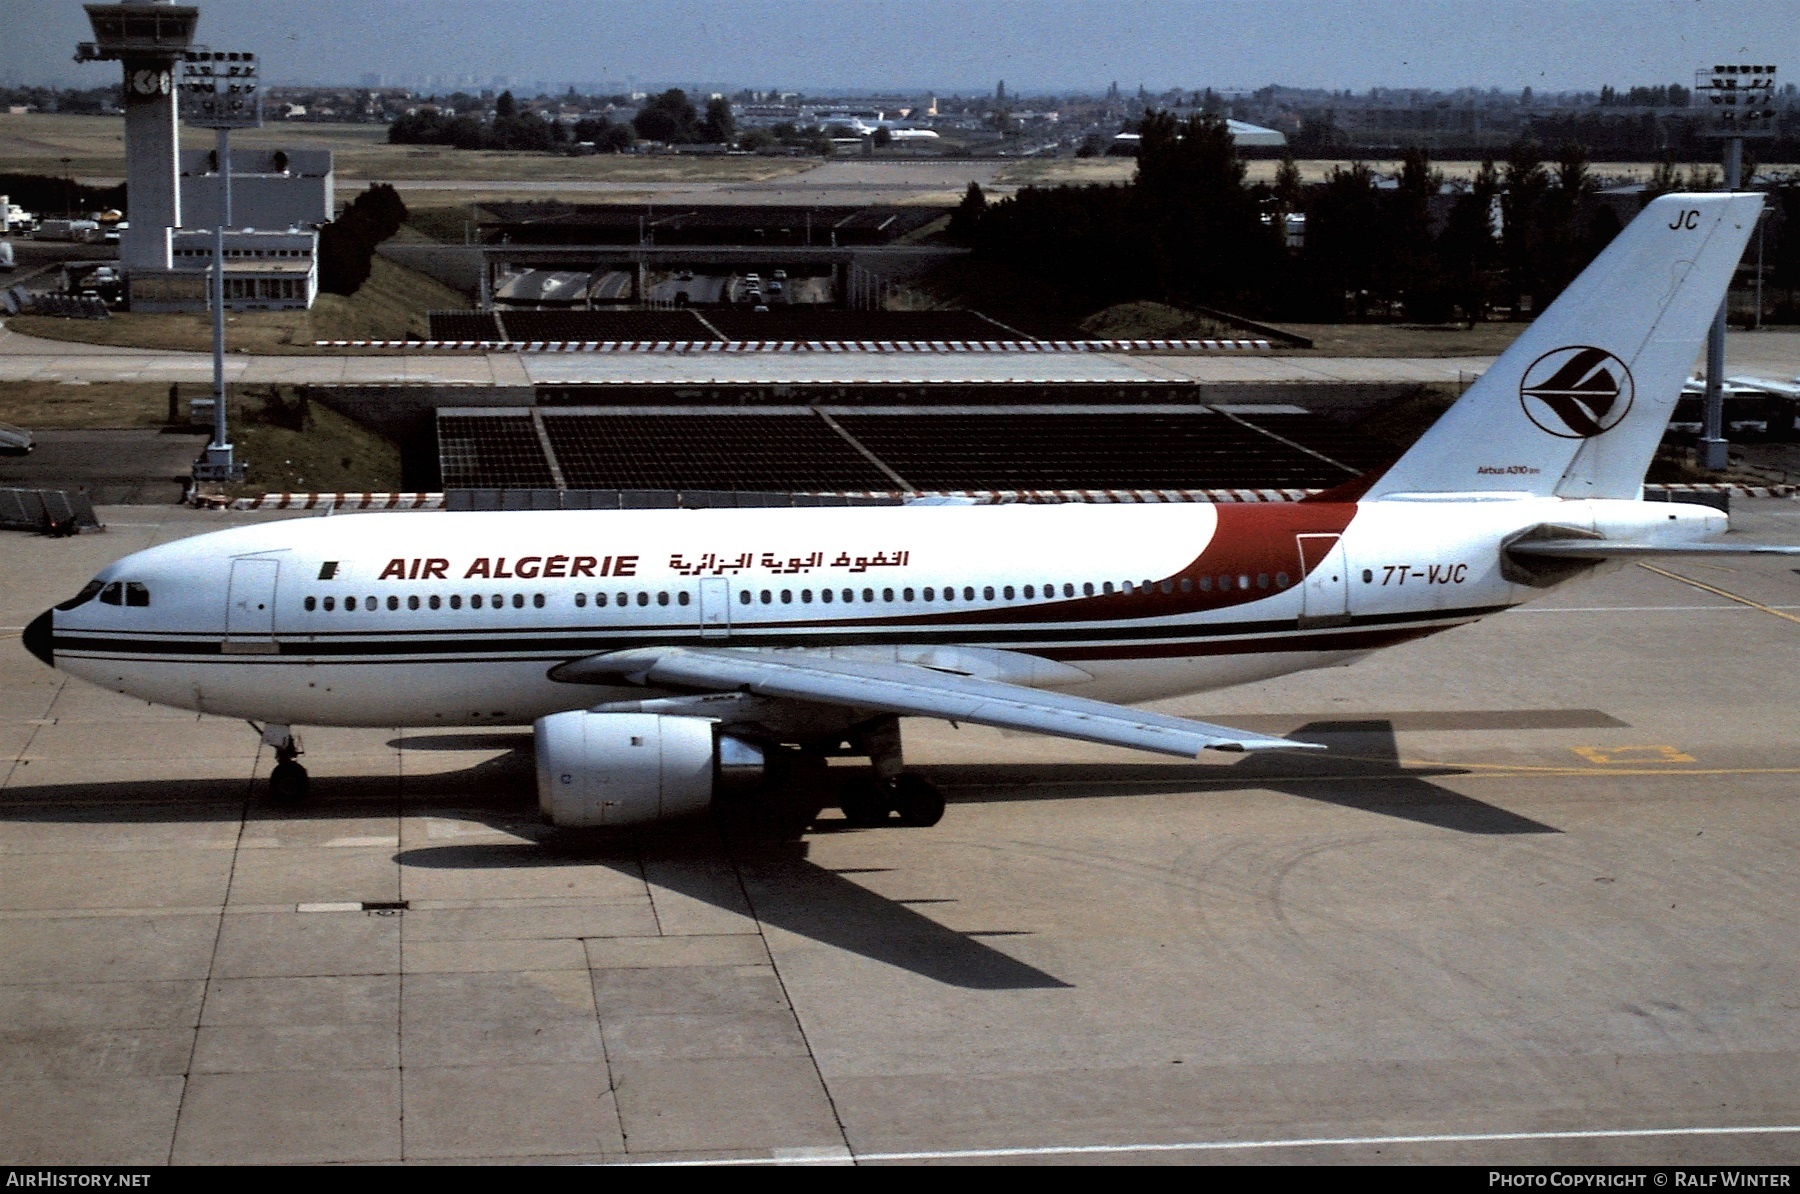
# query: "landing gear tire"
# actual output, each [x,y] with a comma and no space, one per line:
[865,805]
[288,782]
[917,800]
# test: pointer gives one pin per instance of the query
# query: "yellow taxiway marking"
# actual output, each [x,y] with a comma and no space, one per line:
[1634,754]
[1700,584]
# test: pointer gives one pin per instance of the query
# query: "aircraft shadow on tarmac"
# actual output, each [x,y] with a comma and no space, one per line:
[775,881]
[1361,769]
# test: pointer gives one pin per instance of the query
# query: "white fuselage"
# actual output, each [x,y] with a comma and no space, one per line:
[456,619]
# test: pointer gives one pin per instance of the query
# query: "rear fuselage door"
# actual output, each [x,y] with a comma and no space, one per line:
[250,607]
[715,607]
[1325,591]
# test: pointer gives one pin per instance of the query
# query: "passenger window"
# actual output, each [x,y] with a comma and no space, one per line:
[370,604]
[1107,588]
[662,598]
[787,595]
[806,596]
[311,604]
[930,594]
[475,601]
[1069,589]
[599,598]
[682,597]
[743,596]
[1281,580]
[1030,592]
[969,592]
[1224,584]
[1243,581]
[350,604]
[1087,588]
[113,594]
[1127,587]
[436,601]
[537,601]
[987,593]
[1007,592]
[581,601]
[624,598]
[644,597]
[825,595]
[906,594]
[1187,584]
[1206,584]
[1167,586]
[1262,580]
[412,602]
[767,597]
[330,603]
[499,601]
[393,603]
[136,594]
[518,601]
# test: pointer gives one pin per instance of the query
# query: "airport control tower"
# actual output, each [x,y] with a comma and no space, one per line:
[149,37]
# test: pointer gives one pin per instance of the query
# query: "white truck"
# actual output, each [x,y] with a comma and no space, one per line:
[79,231]
[14,218]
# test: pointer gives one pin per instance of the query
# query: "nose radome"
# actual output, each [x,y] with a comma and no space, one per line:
[37,638]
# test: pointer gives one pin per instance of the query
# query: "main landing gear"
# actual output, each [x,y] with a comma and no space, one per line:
[894,791]
[288,782]
[910,797]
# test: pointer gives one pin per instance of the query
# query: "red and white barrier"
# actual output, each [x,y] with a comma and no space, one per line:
[796,346]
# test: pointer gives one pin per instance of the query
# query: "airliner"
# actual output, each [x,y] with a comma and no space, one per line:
[668,657]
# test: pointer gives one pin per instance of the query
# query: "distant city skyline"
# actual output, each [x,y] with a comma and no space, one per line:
[955,46]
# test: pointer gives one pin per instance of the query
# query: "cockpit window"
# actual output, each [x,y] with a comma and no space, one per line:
[113,594]
[136,594]
[88,592]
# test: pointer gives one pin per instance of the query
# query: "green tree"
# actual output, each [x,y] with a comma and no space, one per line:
[719,125]
[1522,205]
[965,221]
[668,117]
[1468,251]
[505,108]
[1202,234]
[1288,187]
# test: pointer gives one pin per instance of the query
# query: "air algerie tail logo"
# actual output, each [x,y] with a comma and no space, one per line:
[1576,392]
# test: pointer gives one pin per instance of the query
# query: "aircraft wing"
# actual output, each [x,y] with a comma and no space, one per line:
[915,691]
[1604,549]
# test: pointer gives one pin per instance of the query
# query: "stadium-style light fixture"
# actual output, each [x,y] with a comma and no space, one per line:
[223,91]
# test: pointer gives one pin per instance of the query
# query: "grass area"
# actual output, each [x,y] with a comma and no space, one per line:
[390,305]
[291,445]
[1405,339]
[95,146]
[61,404]
[442,224]
[1151,321]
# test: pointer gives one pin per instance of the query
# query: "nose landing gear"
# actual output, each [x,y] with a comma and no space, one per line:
[288,781]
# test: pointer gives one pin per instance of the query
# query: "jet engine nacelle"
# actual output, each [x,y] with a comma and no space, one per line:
[602,769]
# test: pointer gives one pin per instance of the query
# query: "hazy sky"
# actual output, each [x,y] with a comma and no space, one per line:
[966,45]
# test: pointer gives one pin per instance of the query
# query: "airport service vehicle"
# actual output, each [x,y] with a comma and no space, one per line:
[79,231]
[15,441]
[7,261]
[666,655]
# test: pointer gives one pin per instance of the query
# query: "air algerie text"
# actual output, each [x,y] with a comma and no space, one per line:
[524,567]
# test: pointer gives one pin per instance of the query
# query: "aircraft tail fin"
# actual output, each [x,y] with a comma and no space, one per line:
[1578,404]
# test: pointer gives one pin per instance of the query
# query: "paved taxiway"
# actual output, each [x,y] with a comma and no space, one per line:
[1544,885]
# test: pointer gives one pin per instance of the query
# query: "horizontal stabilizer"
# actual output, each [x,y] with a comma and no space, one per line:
[1602,549]
[914,691]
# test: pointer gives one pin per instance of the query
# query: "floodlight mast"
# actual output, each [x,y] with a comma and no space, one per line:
[1741,101]
[223,93]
